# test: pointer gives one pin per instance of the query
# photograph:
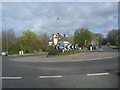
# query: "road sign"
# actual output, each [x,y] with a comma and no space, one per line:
[62,47]
[72,47]
[57,47]
[75,46]
[68,46]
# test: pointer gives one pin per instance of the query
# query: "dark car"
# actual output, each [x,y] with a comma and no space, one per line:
[94,47]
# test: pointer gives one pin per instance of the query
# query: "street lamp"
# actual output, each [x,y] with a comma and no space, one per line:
[57,36]
[97,38]
[6,42]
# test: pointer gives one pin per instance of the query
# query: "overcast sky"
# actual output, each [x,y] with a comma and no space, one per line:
[53,17]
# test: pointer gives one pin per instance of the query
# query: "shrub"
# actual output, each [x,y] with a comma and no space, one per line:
[70,52]
[54,52]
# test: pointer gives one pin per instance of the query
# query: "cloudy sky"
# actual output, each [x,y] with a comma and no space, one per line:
[53,17]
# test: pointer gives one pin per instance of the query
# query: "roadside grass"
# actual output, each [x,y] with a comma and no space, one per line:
[70,52]
[29,53]
[37,53]
[114,47]
[13,54]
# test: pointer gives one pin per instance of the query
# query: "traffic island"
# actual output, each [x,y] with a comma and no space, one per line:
[85,56]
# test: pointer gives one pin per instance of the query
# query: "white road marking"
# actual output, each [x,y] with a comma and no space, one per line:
[101,58]
[109,57]
[10,77]
[96,74]
[50,76]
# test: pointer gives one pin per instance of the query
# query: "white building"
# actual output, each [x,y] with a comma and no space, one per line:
[58,39]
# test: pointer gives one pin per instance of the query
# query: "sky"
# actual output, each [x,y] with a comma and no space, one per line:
[62,17]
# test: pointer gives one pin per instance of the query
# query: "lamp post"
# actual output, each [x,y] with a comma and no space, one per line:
[85,42]
[58,34]
[7,41]
[97,38]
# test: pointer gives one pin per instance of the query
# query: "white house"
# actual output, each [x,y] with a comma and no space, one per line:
[58,39]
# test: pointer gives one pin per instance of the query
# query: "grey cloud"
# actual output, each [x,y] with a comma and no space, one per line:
[43,16]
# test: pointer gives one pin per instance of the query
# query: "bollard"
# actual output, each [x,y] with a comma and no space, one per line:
[22,52]
[80,48]
[19,52]
[90,48]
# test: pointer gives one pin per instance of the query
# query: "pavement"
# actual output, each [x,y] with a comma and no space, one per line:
[84,56]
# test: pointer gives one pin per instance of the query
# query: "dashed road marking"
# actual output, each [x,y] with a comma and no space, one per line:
[58,76]
[10,77]
[96,74]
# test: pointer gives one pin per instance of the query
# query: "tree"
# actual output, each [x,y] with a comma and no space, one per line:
[70,39]
[9,41]
[29,42]
[83,36]
[45,37]
[105,41]
[99,39]
[44,41]
[113,37]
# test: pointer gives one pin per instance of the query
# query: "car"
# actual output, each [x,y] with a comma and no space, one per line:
[4,53]
[84,47]
[94,47]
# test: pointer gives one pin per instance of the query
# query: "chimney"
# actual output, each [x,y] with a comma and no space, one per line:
[58,34]
[64,35]
[52,35]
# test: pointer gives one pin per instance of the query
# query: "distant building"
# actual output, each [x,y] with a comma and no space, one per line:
[58,39]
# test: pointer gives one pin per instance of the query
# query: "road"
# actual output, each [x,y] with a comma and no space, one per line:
[78,74]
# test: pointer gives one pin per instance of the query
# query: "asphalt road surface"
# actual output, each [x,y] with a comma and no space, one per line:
[79,74]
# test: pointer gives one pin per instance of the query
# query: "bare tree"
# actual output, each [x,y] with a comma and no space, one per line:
[99,38]
[113,37]
[9,41]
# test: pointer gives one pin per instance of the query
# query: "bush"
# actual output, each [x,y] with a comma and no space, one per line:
[54,52]
[50,48]
[70,52]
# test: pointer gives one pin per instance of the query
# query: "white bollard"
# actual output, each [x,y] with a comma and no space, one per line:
[22,52]
[19,52]
[90,48]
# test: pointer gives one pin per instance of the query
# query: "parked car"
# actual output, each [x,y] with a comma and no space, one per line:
[4,53]
[94,47]
[84,47]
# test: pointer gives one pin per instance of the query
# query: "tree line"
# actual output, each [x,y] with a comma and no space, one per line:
[30,42]
[84,37]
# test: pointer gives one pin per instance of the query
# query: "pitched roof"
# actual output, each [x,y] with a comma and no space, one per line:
[62,38]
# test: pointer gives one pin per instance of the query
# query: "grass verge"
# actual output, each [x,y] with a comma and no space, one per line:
[114,47]
[29,53]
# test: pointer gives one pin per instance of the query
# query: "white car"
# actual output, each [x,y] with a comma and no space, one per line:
[4,53]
